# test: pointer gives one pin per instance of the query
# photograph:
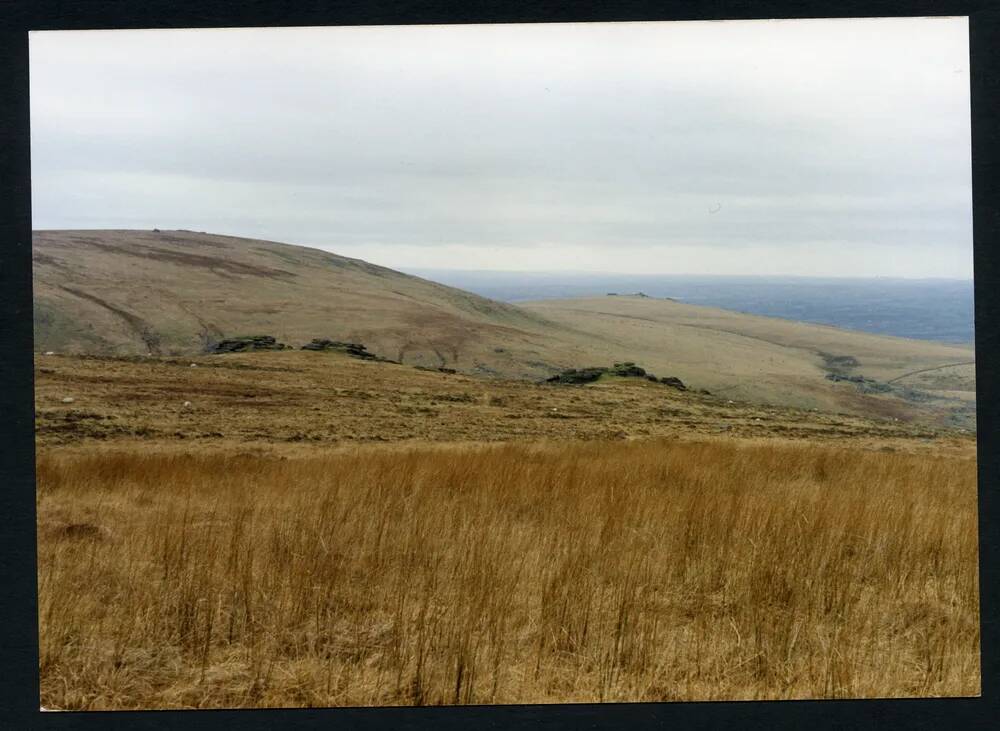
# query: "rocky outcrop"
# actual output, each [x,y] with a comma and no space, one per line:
[627,369]
[578,375]
[248,343]
[355,350]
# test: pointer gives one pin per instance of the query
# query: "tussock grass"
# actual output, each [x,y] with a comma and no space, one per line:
[514,573]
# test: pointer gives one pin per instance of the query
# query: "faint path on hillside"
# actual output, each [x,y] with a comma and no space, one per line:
[935,368]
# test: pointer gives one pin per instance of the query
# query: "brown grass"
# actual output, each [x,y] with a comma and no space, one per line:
[630,571]
[277,399]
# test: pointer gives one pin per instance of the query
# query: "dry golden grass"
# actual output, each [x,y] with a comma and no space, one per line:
[626,571]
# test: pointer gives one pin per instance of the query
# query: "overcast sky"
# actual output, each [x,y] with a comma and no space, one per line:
[827,147]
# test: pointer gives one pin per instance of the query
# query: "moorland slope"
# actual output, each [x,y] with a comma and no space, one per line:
[173,293]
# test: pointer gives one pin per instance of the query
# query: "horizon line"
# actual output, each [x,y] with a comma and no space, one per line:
[588,272]
[559,272]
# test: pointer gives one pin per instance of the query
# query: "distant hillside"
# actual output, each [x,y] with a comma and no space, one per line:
[927,309]
[176,292]
[179,292]
[773,360]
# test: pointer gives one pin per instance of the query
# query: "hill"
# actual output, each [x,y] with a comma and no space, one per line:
[172,293]
[772,360]
[177,292]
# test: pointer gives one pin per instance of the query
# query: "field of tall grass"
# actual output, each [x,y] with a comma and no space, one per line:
[517,573]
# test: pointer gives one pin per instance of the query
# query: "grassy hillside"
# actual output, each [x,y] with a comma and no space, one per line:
[177,292]
[142,292]
[772,360]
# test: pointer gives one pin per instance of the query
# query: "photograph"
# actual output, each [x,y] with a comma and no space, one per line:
[493,364]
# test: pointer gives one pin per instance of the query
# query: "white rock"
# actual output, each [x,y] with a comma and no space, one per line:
[68,400]
[194,365]
[50,352]
[187,404]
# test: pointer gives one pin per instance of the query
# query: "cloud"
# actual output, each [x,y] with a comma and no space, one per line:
[406,145]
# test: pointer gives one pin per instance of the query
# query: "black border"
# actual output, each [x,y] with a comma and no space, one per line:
[18,630]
